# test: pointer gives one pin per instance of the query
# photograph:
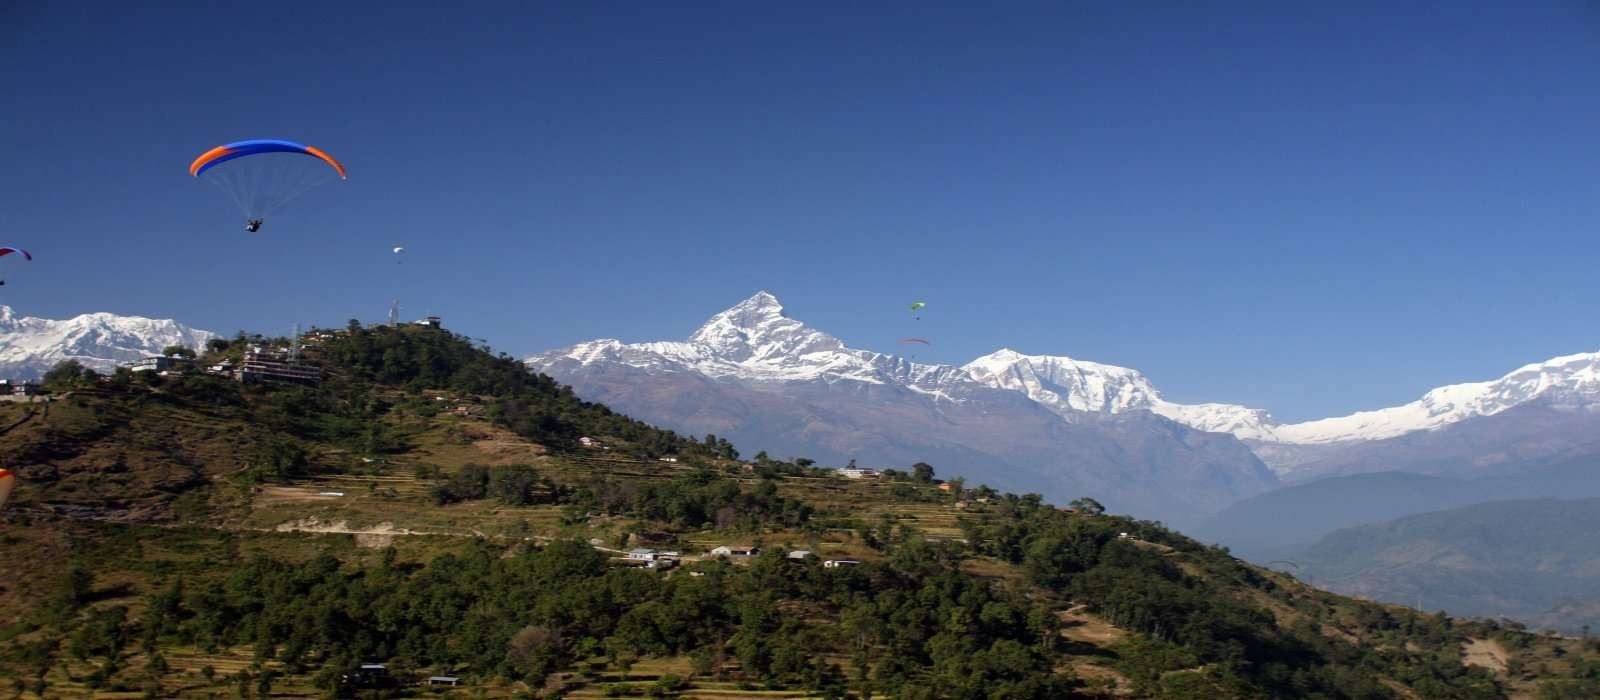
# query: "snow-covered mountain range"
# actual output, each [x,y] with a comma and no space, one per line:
[1067,386]
[757,345]
[767,381]
[30,346]
[1566,384]
[1570,382]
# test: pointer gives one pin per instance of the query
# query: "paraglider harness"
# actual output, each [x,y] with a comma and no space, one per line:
[253,226]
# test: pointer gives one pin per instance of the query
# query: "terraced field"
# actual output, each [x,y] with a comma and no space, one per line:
[385,499]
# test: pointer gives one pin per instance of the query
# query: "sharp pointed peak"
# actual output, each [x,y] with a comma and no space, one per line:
[760,308]
[760,300]
[758,326]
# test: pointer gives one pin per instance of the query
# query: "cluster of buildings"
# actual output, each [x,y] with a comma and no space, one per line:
[666,559]
[259,364]
[275,365]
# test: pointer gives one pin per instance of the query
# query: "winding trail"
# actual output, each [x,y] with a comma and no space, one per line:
[21,421]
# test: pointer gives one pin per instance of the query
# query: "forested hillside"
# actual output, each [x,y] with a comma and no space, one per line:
[440,510]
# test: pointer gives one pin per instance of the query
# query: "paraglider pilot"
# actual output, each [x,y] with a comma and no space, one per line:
[253,226]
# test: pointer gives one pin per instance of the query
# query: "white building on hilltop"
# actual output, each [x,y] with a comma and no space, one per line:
[734,550]
[854,473]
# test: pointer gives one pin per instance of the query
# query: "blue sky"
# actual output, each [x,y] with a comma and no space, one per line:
[1308,209]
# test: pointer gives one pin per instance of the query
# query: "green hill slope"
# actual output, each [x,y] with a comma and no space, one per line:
[1535,560]
[432,507]
[1289,519]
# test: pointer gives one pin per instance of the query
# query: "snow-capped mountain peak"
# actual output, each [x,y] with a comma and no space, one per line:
[30,346]
[1064,383]
[757,329]
[756,342]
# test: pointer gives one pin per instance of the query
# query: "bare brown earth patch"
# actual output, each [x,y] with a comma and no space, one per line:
[1080,626]
[499,445]
[1485,653]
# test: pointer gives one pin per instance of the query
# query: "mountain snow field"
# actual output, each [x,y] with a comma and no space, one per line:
[30,346]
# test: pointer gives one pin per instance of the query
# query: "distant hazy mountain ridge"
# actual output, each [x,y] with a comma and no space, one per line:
[1534,560]
[30,346]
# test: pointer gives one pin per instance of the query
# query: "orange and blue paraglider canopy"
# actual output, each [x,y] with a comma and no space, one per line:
[241,149]
[262,175]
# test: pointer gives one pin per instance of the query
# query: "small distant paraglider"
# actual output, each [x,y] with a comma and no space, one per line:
[7,250]
[399,254]
[910,345]
[7,481]
[916,314]
[261,175]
